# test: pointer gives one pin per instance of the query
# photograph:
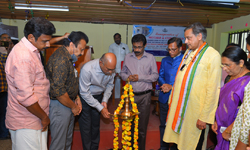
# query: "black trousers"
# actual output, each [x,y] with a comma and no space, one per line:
[4,132]
[199,144]
[89,123]
[143,104]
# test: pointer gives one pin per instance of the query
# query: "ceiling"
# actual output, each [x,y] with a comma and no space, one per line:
[162,12]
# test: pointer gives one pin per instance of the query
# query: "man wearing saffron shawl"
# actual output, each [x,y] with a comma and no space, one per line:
[195,93]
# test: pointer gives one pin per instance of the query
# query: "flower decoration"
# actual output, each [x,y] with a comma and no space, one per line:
[126,124]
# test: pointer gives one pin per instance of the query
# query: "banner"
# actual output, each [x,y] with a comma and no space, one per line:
[158,36]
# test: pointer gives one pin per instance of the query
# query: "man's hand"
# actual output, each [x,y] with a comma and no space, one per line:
[166,88]
[78,103]
[215,127]
[105,113]
[200,124]
[104,104]
[75,110]
[131,77]
[45,122]
[136,77]
[66,35]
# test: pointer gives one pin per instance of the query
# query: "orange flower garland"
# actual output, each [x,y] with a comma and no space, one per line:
[126,124]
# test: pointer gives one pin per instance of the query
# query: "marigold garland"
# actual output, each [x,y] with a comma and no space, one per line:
[126,124]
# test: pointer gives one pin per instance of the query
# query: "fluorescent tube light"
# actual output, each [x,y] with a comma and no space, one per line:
[41,7]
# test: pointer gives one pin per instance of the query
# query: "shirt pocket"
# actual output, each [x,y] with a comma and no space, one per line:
[105,81]
[40,73]
[123,51]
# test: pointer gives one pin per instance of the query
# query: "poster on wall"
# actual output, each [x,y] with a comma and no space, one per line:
[158,36]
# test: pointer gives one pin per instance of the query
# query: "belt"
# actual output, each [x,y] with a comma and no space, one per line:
[141,93]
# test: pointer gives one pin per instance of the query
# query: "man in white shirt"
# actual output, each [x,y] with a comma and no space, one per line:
[120,50]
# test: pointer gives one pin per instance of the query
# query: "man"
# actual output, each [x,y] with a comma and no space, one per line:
[120,50]
[96,83]
[195,93]
[6,38]
[64,86]
[169,67]
[141,70]
[4,132]
[28,88]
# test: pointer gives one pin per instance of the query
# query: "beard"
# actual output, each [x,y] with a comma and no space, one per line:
[118,42]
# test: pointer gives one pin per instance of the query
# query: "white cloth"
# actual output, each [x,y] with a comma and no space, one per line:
[120,52]
[29,139]
[241,125]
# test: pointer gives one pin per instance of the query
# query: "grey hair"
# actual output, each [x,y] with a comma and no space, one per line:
[103,59]
[198,28]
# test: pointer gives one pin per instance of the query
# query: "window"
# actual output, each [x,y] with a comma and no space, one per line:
[239,38]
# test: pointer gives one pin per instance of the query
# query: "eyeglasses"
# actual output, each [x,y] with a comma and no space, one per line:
[138,47]
[226,65]
[109,70]
[168,49]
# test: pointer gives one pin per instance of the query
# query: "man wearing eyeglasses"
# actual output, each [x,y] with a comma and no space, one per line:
[96,84]
[169,67]
[141,70]
[194,97]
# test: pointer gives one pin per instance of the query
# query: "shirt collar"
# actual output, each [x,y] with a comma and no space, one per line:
[67,53]
[143,55]
[98,67]
[29,45]
[177,56]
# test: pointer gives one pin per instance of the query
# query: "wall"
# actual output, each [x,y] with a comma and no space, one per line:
[100,35]
[221,30]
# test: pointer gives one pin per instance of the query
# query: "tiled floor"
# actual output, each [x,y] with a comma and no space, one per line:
[106,133]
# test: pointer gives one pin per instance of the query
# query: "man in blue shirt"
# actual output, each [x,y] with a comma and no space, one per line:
[169,67]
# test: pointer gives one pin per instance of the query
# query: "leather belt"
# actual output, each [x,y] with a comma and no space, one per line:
[141,93]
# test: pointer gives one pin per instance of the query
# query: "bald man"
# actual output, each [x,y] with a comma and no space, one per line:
[96,84]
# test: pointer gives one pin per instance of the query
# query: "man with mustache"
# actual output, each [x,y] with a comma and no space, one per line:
[64,87]
[96,84]
[195,93]
[28,88]
[169,67]
[120,50]
[141,70]
[4,51]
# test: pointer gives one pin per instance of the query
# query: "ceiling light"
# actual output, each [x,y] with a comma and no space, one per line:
[41,7]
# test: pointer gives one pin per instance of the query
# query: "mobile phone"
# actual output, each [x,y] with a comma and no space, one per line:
[4,44]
